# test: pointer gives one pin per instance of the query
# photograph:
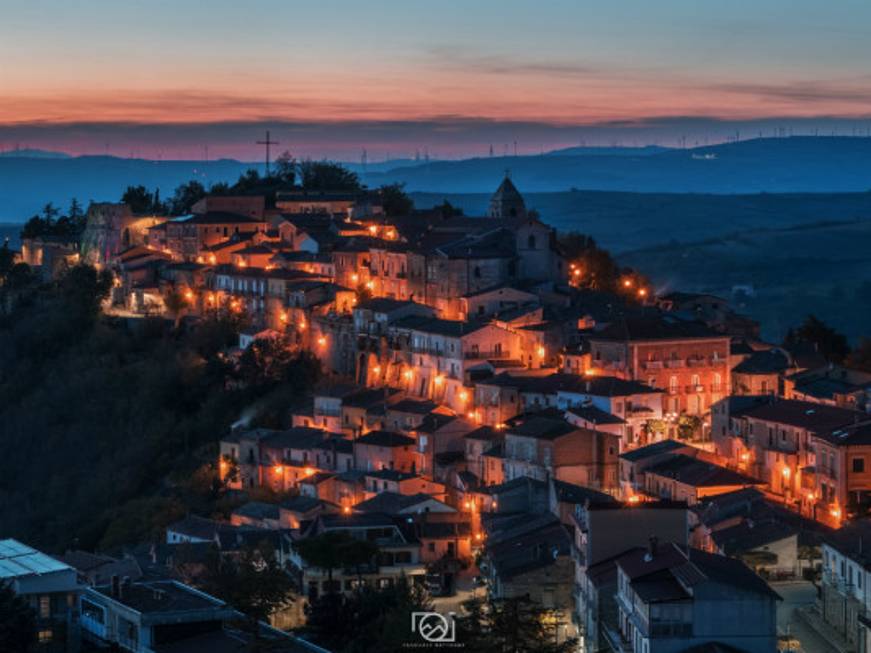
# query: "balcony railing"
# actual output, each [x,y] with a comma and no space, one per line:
[675,362]
[695,388]
[653,365]
[490,353]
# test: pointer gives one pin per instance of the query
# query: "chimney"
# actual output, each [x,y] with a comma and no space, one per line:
[116,587]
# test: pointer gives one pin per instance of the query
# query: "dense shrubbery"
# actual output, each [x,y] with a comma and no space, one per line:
[109,430]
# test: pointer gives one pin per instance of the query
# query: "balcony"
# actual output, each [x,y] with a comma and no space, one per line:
[653,365]
[490,353]
[695,388]
[697,361]
[675,363]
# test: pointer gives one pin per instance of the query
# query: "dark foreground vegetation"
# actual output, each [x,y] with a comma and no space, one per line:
[109,428]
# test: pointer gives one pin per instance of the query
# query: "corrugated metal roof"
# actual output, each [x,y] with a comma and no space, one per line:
[17,560]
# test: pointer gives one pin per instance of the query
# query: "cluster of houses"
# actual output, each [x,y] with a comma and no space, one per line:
[636,464]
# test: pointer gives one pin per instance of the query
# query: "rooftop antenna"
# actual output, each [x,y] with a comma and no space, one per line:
[268,142]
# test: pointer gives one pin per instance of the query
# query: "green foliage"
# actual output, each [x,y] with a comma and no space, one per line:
[285,168]
[516,625]
[369,619]
[17,622]
[253,583]
[395,200]
[185,196]
[688,426]
[141,201]
[270,361]
[49,224]
[106,428]
[333,550]
[448,210]
[327,176]
[831,344]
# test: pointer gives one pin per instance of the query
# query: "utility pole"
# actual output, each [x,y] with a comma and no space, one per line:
[267,143]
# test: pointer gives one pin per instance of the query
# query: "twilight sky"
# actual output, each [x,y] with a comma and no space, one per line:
[167,78]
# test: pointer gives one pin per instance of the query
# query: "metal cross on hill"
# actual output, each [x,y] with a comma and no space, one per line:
[267,143]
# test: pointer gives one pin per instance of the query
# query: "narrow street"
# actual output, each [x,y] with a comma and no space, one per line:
[799,594]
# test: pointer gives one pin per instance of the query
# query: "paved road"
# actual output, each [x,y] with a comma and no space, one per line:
[796,594]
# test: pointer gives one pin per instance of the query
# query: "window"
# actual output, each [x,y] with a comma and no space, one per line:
[477,272]
[858,465]
[531,241]
[44,607]
[44,636]
[430,547]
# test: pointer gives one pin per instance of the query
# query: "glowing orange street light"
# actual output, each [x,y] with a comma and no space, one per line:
[745,456]
[627,283]
[835,512]
[642,292]
[786,472]
[408,374]
[439,380]
[634,499]
[278,469]
[478,536]
[355,277]
[213,259]
[189,294]
[377,369]
[308,471]
[322,341]
[589,372]
[346,510]
[541,352]
[370,285]
[373,229]
[463,395]
[302,326]
[577,272]
[283,317]
[468,505]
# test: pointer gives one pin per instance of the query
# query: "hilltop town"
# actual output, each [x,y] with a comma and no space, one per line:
[496,414]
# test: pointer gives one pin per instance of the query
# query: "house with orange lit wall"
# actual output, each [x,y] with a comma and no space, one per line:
[385,450]
[444,535]
[687,359]
[188,237]
[544,447]
[491,301]
[813,455]
[431,356]
[681,477]
[407,483]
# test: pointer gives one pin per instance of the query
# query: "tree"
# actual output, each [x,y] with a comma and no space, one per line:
[813,331]
[7,261]
[448,210]
[860,357]
[369,619]
[175,303]
[185,196]
[515,625]
[395,200]
[17,622]
[138,199]
[83,289]
[285,168]
[253,583]
[327,176]
[75,211]
[331,550]
[688,426]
